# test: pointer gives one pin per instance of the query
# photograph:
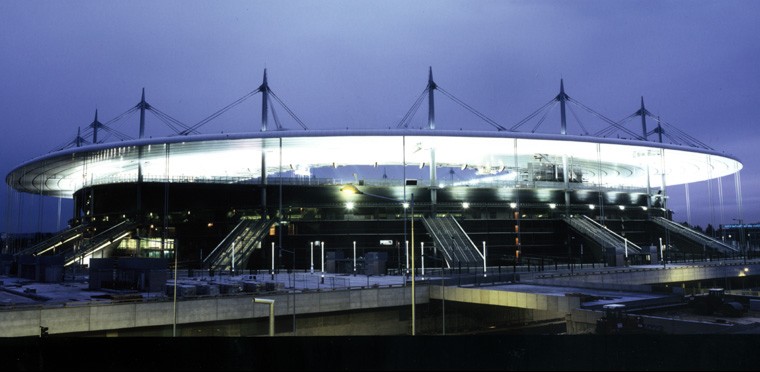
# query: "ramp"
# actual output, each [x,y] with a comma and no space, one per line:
[603,236]
[58,240]
[238,245]
[107,238]
[448,236]
[695,236]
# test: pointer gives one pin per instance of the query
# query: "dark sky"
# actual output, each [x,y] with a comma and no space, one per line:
[362,64]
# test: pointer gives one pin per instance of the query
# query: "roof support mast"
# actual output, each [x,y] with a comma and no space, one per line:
[662,173]
[264,89]
[431,125]
[95,125]
[143,106]
[643,113]
[562,97]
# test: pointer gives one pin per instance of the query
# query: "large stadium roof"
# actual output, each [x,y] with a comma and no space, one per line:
[236,157]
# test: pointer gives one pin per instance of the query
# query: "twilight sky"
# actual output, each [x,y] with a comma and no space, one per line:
[362,64]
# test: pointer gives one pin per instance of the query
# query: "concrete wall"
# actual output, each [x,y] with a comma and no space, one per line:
[637,279]
[581,321]
[554,304]
[81,317]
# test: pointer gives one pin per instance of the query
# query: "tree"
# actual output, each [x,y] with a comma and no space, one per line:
[710,230]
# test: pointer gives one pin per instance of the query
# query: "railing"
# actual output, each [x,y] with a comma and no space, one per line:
[694,235]
[601,234]
[459,248]
[54,241]
[615,236]
[464,244]
[217,252]
[380,182]
[246,233]
[110,236]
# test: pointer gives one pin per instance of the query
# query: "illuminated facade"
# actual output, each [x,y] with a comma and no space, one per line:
[210,181]
[262,194]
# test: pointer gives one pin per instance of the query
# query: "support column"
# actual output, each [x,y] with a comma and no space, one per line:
[663,197]
[566,183]
[95,125]
[264,89]
[139,217]
[143,105]
[643,113]
[562,97]
[431,126]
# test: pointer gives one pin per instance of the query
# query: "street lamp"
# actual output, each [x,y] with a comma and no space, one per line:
[293,289]
[311,250]
[435,257]
[351,189]
[741,238]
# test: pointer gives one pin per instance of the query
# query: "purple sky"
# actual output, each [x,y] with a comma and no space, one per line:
[361,64]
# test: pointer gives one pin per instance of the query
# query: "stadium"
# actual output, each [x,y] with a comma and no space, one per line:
[371,201]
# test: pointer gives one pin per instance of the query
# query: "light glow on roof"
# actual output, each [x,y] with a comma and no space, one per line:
[500,157]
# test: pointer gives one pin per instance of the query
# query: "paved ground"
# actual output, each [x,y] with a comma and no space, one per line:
[16,292]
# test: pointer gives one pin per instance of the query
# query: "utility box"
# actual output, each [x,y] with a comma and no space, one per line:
[375,263]
[614,258]
[133,273]
[331,261]
[45,269]
[654,255]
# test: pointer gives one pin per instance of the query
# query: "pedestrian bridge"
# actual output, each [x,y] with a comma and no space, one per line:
[574,295]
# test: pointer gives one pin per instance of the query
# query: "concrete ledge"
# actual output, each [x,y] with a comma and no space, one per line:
[113,316]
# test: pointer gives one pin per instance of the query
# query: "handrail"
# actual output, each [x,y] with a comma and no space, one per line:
[109,236]
[231,235]
[455,225]
[438,241]
[56,240]
[607,230]
[247,232]
[458,247]
[601,234]
[695,235]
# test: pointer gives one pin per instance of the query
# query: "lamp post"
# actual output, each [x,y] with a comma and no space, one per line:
[741,238]
[174,295]
[293,289]
[406,253]
[485,270]
[311,250]
[233,258]
[322,245]
[272,260]
[435,257]
[422,256]
[413,294]
[351,189]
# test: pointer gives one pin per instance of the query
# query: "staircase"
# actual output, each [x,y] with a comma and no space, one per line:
[236,248]
[53,242]
[107,238]
[448,236]
[695,236]
[600,234]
